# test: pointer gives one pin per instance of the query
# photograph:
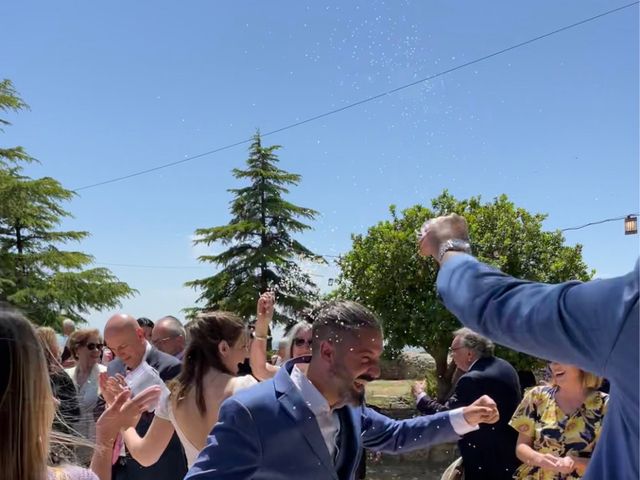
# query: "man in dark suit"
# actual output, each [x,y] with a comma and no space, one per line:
[126,339]
[489,452]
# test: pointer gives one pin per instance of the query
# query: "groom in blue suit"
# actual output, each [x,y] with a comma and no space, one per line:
[310,422]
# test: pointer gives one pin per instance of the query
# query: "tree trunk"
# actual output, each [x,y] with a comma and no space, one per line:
[444,374]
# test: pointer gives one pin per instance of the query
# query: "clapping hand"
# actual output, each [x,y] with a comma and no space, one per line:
[124,412]
[111,387]
[266,304]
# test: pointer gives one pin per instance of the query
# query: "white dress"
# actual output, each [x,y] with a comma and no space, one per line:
[87,398]
[165,411]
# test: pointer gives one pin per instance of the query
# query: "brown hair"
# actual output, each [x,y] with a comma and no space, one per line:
[26,401]
[79,338]
[206,332]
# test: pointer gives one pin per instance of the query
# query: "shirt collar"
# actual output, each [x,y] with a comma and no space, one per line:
[310,394]
[147,349]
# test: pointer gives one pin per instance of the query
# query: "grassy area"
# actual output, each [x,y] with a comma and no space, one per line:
[384,393]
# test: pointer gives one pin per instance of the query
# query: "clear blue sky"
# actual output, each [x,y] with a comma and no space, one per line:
[116,87]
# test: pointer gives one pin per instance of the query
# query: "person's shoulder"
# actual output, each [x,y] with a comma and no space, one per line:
[160,360]
[242,382]
[259,394]
[101,368]
[71,472]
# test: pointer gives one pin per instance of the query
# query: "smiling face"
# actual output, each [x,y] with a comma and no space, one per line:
[89,352]
[564,375]
[354,362]
[233,355]
[301,343]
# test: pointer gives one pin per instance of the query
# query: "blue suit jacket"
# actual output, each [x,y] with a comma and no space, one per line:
[268,432]
[592,325]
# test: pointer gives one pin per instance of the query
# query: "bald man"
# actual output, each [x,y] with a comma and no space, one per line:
[168,336]
[125,338]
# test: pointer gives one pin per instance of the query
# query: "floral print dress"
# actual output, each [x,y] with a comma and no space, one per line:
[555,432]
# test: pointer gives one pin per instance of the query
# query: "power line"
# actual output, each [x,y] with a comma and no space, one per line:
[599,222]
[596,223]
[359,102]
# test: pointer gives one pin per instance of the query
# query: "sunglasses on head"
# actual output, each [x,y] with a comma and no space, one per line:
[92,346]
[299,342]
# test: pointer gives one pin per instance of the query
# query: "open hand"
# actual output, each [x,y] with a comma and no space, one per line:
[111,387]
[483,410]
[125,412]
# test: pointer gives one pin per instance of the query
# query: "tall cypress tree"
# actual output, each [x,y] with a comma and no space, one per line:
[263,254]
[37,275]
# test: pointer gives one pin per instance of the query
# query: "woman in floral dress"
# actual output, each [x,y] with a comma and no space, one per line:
[559,425]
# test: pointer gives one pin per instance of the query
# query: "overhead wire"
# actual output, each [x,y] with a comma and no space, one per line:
[359,102]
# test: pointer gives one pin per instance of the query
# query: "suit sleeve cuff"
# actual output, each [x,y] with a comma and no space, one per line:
[420,397]
[459,424]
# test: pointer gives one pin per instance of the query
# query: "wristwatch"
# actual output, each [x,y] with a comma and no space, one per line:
[453,245]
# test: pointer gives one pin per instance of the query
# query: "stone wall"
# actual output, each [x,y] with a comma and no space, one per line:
[409,365]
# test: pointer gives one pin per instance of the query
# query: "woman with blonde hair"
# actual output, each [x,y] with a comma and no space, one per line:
[218,343]
[27,409]
[559,424]
[68,410]
[86,347]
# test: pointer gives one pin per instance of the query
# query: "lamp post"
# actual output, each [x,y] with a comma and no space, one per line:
[631,225]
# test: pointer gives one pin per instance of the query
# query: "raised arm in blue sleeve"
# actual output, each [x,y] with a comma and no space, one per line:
[233,450]
[383,434]
[573,322]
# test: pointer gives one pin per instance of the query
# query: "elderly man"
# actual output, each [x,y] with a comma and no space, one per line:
[310,422]
[490,452]
[126,339]
[592,325]
[68,327]
[168,336]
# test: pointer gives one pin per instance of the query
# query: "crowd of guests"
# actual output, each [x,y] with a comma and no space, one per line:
[163,400]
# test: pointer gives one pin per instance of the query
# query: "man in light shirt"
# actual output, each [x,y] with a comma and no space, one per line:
[310,420]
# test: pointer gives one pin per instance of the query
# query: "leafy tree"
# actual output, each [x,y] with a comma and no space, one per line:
[36,275]
[384,271]
[263,254]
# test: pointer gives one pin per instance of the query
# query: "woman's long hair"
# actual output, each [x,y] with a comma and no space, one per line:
[49,343]
[26,401]
[206,332]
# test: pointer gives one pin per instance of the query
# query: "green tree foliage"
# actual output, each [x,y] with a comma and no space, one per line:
[263,253]
[46,282]
[384,271]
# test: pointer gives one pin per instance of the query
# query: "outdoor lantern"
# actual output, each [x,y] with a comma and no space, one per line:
[631,225]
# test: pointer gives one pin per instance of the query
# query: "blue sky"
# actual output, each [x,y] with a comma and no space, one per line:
[122,86]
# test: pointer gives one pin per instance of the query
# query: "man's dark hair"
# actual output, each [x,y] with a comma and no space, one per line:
[145,322]
[337,320]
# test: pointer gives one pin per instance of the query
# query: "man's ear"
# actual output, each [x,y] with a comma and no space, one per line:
[327,351]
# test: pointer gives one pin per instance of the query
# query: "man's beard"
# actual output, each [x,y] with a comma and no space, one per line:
[346,390]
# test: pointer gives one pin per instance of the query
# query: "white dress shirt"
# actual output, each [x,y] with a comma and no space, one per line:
[328,420]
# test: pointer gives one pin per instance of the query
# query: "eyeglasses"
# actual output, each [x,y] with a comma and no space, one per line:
[93,346]
[299,342]
[453,349]
[162,340]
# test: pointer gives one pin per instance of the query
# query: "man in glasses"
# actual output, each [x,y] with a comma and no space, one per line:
[168,336]
[490,452]
[312,422]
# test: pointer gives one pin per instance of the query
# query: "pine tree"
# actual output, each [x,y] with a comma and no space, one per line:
[262,253]
[46,282]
